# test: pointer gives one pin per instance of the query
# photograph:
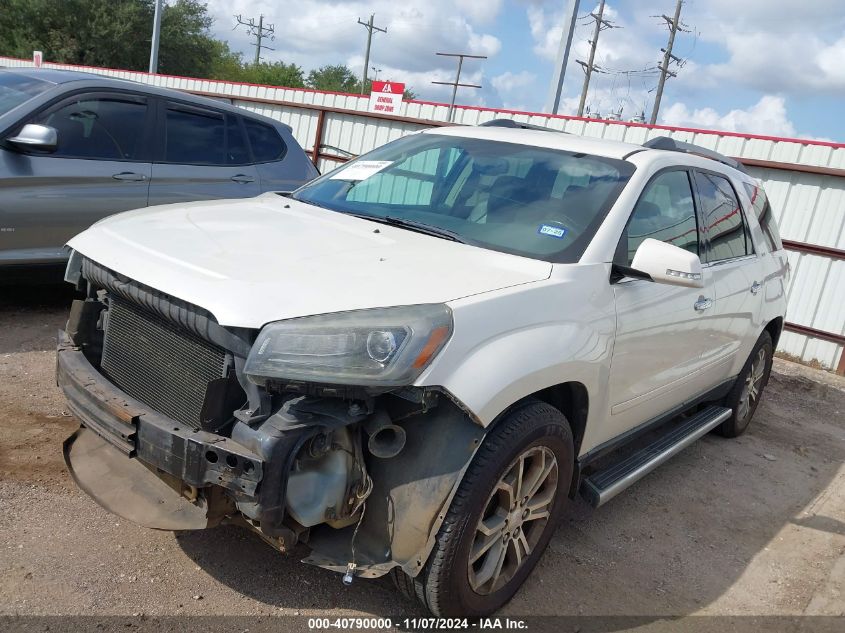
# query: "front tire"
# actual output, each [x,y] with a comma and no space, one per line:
[748,389]
[503,515]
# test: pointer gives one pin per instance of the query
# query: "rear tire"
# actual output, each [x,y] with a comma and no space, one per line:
[502,517]
[745,395]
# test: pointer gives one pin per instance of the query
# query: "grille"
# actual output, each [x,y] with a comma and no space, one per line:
[165,367]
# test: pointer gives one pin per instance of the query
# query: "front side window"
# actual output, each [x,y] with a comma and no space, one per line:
[541,203]
[194,136]
[104,128]
[665,212]
[726,232]
[763,211]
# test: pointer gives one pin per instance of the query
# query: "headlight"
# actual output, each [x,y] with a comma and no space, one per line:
[380,347]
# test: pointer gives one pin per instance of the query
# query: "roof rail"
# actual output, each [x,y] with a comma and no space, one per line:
[671,145]
[517,125]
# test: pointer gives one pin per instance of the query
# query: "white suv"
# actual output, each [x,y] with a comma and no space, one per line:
[413,362]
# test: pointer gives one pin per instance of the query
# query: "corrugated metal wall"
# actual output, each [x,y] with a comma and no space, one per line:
[809,207]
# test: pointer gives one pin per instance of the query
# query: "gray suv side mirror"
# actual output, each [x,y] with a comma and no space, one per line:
[37,137]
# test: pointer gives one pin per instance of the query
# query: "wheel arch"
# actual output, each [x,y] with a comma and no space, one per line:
[573,400]
[775,328]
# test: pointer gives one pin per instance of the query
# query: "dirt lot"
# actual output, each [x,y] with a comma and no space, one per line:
[754,526]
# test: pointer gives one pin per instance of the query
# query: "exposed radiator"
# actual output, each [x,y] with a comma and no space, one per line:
[166,367]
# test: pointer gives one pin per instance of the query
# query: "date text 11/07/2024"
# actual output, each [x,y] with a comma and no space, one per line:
[415,624]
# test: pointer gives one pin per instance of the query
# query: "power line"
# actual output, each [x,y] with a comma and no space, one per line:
[259,32]
[674,26]
[590,66]
[370,28]
[457,82]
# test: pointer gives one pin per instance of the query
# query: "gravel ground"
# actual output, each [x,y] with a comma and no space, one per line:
[754,526]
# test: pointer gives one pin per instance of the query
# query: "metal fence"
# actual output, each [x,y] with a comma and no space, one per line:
[804,179]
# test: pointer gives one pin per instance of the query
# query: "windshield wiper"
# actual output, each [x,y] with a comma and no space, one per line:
[422,227]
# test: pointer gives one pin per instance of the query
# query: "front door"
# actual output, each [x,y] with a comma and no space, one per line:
[662,330]
[100,167]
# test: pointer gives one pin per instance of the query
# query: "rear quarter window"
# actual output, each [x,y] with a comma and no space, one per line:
[763,210]
[266,143]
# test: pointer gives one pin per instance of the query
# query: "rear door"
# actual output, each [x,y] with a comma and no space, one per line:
[662,330]
[737,274]
[202,154]
[101,166]
[281,163]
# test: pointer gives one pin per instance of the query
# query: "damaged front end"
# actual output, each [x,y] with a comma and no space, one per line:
[177,434]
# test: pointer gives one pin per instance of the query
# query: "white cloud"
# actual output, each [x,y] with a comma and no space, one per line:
[768,117]
[329,33]
[508,81]
[480,11]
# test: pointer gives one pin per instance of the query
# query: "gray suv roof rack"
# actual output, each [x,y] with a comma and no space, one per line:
[671,145]
[517,125]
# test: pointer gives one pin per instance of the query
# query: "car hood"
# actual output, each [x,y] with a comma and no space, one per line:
[269,258]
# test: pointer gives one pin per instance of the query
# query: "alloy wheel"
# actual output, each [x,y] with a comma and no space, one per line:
[514,518]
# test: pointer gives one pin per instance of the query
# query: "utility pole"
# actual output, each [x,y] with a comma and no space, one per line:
[553,102]
[370,28]
[259,31]
[590,66]
[156,38]
[674,27]
[457,82]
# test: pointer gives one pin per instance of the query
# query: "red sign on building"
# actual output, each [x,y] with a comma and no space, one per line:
[386,97]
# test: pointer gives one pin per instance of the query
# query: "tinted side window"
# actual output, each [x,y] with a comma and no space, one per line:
[665,212]
[763,210]
[266,143]
[194,136]
[237,152]
[105,128]
[722,218]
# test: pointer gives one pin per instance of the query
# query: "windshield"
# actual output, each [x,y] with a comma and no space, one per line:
[15,89]
[540,203]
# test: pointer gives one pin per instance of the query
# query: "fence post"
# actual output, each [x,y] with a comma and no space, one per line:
[318,140]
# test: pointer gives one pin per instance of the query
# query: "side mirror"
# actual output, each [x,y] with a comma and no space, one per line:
[668,264]
[41,138]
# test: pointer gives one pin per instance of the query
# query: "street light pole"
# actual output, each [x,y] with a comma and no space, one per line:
[156,38]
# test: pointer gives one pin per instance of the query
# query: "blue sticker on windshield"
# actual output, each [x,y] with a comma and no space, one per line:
[552,231]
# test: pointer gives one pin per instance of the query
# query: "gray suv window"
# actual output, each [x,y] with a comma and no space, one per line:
[266,143]
[194,136]
[104,128]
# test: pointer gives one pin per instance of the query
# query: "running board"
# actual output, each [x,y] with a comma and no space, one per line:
[600,487]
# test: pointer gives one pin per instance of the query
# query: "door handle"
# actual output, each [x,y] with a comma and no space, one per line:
[755,287]
[129,176]
[242,179]
[703,304]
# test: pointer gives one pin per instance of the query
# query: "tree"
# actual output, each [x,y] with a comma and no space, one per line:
[114,34]
[117,34]
[274,74]
[337,78]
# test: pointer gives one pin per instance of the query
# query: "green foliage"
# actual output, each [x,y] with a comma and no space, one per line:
[337,78]
[117,34]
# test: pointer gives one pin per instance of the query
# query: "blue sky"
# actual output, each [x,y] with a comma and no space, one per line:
[759,66]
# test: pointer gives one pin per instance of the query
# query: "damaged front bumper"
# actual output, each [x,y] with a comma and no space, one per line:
[185,459]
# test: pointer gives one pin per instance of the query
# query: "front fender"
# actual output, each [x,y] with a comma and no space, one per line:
[512,343]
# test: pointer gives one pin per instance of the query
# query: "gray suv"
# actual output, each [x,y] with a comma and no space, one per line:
[76,147]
